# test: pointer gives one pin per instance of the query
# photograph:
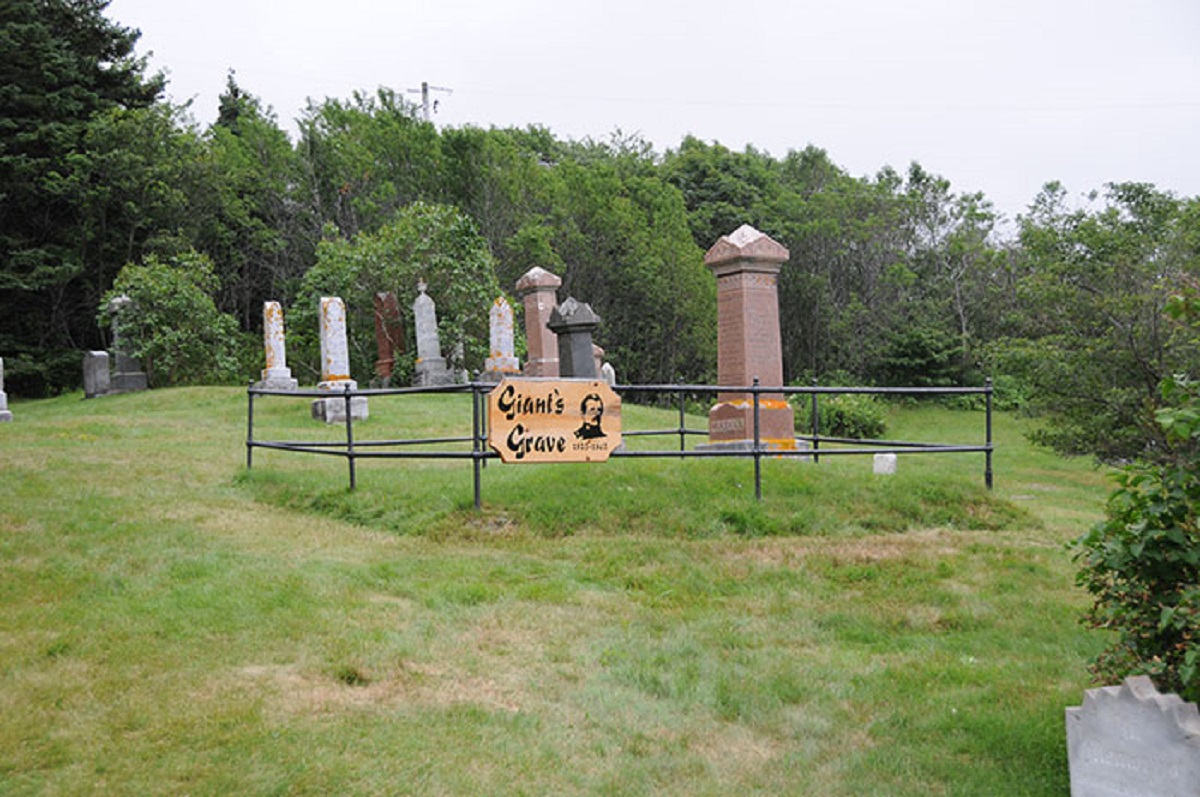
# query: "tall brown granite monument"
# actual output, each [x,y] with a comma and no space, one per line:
[746,264]
[537,289]
[389,335]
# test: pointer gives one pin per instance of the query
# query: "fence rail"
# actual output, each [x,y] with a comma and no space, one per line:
[353,450]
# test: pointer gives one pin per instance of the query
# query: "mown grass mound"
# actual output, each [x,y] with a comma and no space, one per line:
[171,624]
[673,497]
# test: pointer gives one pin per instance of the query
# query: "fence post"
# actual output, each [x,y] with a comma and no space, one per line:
[349,435]
[476,442]
[816,424]
[250,428]
[682,419]
[987,472]
[757,446]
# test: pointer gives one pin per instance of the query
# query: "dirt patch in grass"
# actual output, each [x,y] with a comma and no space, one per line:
[735,750]
[291,690]
[784,552]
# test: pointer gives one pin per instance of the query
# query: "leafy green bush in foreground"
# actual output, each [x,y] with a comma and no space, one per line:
[1142,563]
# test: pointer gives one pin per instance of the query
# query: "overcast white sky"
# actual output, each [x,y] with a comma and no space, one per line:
[999,96]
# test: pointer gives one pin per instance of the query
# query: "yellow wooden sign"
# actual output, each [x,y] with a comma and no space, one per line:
[554,420]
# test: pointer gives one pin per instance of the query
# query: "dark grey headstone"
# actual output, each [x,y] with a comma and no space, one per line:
[1131,741]
[574,322]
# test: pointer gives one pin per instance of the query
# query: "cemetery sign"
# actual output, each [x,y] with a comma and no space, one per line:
[554,420]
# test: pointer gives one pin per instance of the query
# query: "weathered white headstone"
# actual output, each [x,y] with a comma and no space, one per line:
[277,375]
[5,413]
[335,350]
[608,373]
[1132,741]
[95,373]
[885,464]
[335,366]
[503,358]
[431,367]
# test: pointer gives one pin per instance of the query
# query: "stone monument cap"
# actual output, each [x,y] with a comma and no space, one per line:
[745,244]
[574,314]
[537,277]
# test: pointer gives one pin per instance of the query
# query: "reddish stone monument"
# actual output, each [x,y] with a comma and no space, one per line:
[537,289]
[389,335]
[746,264]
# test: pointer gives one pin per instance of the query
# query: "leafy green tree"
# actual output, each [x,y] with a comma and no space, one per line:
[62,63]
[1142,563]
[621,235]
[434,243]
[1092,345]
[503,179]
[366,158]
[174,326]
[252,224]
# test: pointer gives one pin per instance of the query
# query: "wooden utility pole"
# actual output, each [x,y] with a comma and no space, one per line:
[426,110]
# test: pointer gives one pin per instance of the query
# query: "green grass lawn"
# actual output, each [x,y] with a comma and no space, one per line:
[174,624]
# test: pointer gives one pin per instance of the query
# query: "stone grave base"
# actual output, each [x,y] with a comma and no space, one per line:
[432,372]
[734,420]
[277,383]
[333,410]
[496,377]
[784,444]
[5,416]
[127,382]
[277,379]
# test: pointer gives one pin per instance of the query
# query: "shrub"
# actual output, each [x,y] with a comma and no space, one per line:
[858,415]
[1142,562]
[175,329]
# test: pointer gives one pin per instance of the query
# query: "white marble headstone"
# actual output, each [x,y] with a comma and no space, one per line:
[335,351]
[500,325]
[277,375]
[1132,741]
[885,464]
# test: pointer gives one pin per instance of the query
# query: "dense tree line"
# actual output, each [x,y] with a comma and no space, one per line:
[894,278]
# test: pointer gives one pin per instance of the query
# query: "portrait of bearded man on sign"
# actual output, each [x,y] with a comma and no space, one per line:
[592,409]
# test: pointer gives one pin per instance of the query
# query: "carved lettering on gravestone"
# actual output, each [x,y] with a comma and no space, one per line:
[554,420]
[1131,741]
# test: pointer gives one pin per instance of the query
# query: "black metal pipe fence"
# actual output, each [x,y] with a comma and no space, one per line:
[479,453]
